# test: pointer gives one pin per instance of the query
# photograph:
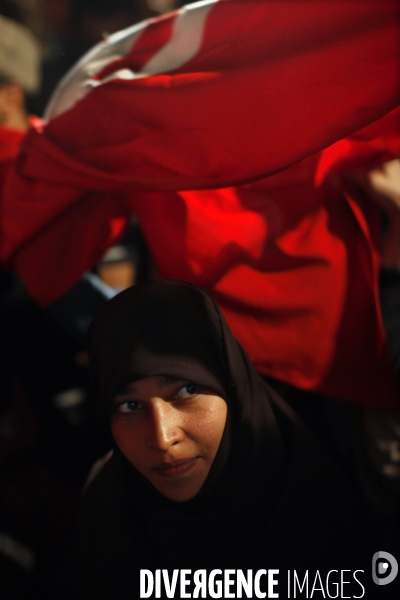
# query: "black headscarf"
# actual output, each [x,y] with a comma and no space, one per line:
[175,329]
[258,507]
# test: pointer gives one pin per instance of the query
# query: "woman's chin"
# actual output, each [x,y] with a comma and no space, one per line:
[179,496]
[182,482]
[178,491]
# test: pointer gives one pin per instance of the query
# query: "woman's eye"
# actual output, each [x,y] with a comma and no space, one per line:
[190,389]
[128,407]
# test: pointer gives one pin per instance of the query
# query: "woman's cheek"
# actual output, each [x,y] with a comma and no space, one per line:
[123,431]
[210,420]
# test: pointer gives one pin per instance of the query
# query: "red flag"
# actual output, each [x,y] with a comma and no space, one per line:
[223,93]
[10,140]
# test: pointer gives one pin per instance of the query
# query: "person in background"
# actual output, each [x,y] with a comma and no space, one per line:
[20,56]
[379,458]
[20,59]
[42,388]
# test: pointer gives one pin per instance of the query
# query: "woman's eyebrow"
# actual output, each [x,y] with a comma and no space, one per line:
[170,380]
[164,380]
[128,389]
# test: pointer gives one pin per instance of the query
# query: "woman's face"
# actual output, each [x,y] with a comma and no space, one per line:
[170,430]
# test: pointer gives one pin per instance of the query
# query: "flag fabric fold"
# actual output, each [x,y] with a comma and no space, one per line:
[215,125]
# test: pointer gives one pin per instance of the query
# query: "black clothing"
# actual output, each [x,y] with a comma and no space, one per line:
[272,500]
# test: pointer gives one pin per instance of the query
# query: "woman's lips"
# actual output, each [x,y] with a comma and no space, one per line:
[175,468]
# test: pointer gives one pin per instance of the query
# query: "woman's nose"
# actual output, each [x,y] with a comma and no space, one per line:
[163,427]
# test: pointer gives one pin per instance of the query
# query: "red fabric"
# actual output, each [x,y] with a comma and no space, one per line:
[295,269]
[293,264]
[10,140]
[372,145]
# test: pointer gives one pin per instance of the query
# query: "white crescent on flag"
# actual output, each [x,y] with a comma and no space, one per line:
[185,43]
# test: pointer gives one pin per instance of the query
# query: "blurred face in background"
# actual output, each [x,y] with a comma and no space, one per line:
[12,106]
